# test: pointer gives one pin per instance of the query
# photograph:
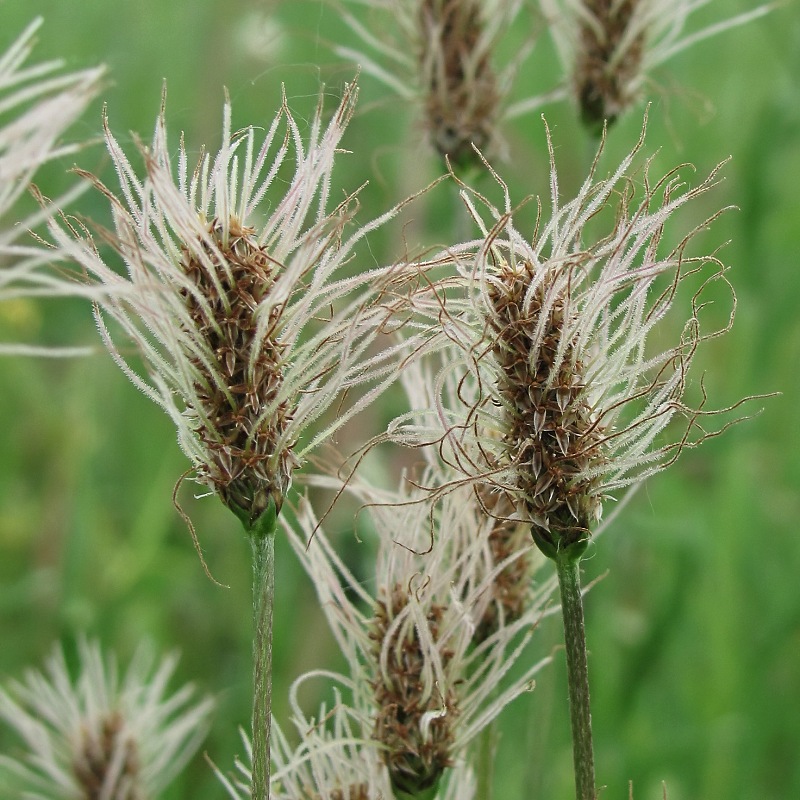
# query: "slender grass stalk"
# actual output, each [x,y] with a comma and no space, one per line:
[487,743]
[262,541]
[569,583]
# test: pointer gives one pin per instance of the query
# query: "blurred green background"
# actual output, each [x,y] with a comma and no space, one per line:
[695,629]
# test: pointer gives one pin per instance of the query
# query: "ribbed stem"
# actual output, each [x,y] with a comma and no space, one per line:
[485,767]
[569,583]
[263,544]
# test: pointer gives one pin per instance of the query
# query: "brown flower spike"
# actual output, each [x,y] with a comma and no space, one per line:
[551,429]
[247,330]
[431,649]
[563,397]
[441,57]
[459,85]
[249,466]
[608,47]
[414,724]
[608,60]
[100,733]
[103,750]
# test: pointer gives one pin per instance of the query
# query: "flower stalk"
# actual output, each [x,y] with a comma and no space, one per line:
[487,747]
[262,541]
[569,583]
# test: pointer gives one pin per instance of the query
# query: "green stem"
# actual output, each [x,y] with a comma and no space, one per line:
[486,751]
[569,583]
[263,544]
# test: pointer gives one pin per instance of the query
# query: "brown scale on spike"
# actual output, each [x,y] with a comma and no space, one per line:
[603,73]
[248,466]
[96,754]
[415,754]
[461,95]
[511,588]
[551,432]
[355,791]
